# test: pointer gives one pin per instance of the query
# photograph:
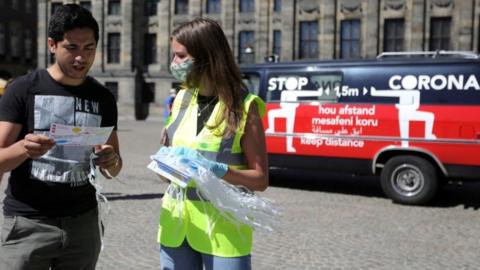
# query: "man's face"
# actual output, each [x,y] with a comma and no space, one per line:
[75,53]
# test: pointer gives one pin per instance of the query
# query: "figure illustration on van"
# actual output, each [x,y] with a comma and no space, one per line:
[408,104]
[287,110]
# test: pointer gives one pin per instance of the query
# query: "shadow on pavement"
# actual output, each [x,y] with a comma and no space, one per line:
[326,182]
[450,195]
[143,196]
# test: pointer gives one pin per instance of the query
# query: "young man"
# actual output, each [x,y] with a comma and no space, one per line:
[4,78]
[50,208]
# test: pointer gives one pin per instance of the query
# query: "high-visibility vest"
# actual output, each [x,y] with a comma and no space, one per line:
[199,222]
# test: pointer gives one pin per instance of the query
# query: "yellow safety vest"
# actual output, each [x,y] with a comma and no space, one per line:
[198,216]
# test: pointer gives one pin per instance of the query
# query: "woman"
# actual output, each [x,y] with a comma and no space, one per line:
[214,115]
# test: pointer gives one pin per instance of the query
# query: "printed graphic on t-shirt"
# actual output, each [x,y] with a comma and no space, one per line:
[64,164]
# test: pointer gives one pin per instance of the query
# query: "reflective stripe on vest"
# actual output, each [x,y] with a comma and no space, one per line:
[191,193]
[185,101]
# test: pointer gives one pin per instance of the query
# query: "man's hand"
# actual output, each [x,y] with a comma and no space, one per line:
[36,145]
[107,160]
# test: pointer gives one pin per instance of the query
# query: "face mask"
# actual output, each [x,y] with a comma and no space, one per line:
[181,70]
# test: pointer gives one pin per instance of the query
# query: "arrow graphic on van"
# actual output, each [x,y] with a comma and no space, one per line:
[365,90]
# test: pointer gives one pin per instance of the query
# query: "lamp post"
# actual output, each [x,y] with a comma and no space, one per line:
[249,54]
[274,58]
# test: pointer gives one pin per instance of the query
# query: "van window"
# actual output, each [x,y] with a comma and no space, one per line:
[303,87]
[252,81]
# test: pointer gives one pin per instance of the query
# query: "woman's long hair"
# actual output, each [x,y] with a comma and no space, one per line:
[214,66]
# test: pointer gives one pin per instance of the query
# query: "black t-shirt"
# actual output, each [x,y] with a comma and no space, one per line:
[55,185]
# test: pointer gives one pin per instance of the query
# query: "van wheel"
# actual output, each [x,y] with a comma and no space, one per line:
[409,180]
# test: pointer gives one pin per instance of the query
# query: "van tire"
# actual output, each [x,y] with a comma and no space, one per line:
[409,180]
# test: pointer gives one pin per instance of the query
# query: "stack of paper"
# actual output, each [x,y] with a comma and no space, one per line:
[170,172]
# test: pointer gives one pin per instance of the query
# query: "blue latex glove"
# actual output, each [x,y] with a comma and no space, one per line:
[182,151]
[194,160]
[164,150]
[175,151]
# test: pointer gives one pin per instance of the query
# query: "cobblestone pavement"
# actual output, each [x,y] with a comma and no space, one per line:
[335,222]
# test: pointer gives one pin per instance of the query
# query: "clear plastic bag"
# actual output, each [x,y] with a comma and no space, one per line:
[235,203]
[103,204]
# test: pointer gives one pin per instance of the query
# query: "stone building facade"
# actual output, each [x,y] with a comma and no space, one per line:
[133,53]
[18,36]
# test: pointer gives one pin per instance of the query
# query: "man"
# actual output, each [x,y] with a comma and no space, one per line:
[50,208]
[168,104]
[4,78]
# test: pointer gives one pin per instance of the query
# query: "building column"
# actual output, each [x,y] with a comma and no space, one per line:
[42,49]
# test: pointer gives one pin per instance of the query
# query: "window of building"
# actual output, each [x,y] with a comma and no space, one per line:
[151,7]
[28,45]
[28,6]
[150,50]
[246,48]
[308,39]
[394,32]
[113,51]
[86,5]
[440,33]
[54,7]
[3,49]
[277,42]
[247,5]
[113,87]
[350,39]
[114,7]
[15,4]
[214,6]
[181,6]
[478,43]
[277,5]
[16,45]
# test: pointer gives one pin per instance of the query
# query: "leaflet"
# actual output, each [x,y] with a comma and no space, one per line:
[76,135]
[171,173]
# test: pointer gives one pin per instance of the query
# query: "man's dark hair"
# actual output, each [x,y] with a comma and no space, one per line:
[69,17]
[5,75]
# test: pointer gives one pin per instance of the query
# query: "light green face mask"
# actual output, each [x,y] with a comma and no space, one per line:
[181,70]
